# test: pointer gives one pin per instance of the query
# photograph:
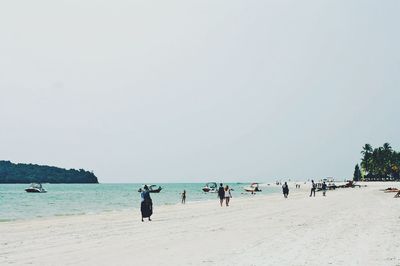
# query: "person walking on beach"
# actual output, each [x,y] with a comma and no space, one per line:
[313,188]
[146,205]
[324,189]
[227,195]
[221,193]
[184,197]
[285,190]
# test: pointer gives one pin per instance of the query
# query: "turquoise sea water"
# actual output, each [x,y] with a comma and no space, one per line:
[74,199]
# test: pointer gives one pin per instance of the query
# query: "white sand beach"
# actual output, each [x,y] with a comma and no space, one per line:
[359,226]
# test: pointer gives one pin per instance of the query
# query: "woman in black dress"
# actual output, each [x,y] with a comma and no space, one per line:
[146,206]
[285,190]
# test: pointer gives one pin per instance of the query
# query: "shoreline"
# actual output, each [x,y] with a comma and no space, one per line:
[243,195]
[352,226]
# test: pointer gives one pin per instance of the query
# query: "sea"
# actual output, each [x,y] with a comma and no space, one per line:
[80,199]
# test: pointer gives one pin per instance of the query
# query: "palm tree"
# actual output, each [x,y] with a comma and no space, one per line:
[388,159]
[381,163]
[366,160]
[367,149]
[396,166]
[387,147]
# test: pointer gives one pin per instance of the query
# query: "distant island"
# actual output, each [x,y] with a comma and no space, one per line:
[11,173]
[379,164]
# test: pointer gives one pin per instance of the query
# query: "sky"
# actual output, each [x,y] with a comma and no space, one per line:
[198,91]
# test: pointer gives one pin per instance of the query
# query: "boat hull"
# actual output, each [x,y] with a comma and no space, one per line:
[252,189]
[33,190]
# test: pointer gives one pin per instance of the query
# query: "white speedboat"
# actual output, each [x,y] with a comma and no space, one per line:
[254,187]
[36,188]
[211,187]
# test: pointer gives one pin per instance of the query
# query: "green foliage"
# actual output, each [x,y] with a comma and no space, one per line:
[382,163]
[29,173]
[357,173]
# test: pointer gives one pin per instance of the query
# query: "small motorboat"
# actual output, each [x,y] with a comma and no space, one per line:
[36,188]
[254,187]
[211,187]
[152,189]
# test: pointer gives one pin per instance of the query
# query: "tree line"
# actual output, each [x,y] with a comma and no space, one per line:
[31,173]
[378,164]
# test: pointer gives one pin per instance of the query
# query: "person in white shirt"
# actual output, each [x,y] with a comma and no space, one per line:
[228,195]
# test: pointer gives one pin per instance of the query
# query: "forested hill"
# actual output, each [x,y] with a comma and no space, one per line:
[29,173]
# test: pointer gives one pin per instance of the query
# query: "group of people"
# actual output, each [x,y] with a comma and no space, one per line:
[146,204]
[224,193]
[324,187]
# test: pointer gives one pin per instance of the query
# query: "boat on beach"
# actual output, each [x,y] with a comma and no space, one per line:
[254,187]
[210,187]
[152,188]
[36,188]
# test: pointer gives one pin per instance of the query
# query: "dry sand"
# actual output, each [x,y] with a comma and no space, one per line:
[359,226]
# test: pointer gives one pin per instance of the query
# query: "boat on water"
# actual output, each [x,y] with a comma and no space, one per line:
[152,189]
[210,187]
[35,188]
[254,187]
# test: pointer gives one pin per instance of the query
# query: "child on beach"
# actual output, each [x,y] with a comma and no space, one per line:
[184,197]
[227,195]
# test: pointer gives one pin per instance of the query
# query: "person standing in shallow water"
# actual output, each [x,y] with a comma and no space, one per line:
[146,205]
[313,188]
[221,193]
[184,197]
[227,195]
[285,190]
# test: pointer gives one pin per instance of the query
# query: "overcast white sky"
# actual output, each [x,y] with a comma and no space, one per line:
[171,91]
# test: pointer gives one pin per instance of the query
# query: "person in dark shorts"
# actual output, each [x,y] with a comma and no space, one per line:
[313,188]
[221,193]
[324,187]
[146,206]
